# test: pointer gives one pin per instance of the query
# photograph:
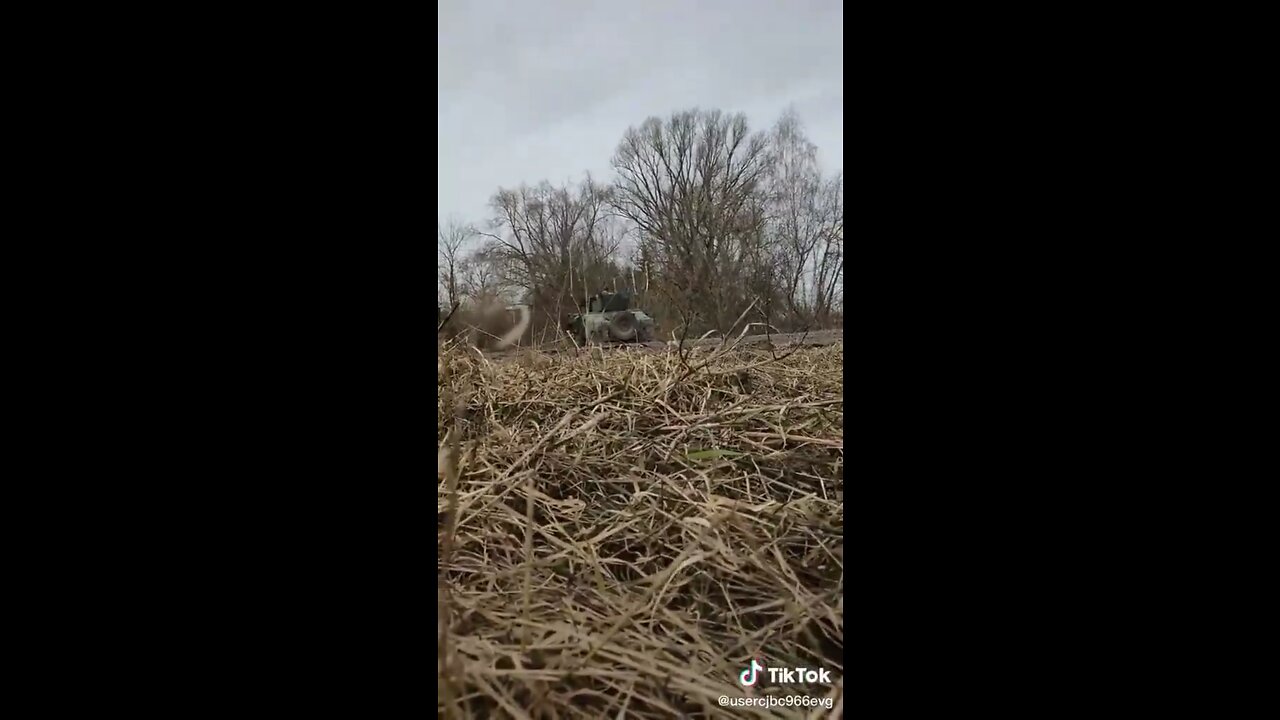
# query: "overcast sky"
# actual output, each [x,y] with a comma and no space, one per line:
[532,91]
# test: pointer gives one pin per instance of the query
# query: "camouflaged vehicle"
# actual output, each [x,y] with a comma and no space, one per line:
[609,318]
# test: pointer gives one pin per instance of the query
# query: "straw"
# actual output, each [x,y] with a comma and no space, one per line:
[630,527]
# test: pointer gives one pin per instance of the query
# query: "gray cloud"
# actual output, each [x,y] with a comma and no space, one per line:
[530,91]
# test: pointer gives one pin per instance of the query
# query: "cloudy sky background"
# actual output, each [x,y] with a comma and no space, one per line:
[532,91]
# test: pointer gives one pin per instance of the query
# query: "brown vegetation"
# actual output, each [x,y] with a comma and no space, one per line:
[621,532]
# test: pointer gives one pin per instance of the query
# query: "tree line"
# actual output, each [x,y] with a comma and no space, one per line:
[703,220]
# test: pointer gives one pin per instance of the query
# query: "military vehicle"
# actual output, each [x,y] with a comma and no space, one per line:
[609,318]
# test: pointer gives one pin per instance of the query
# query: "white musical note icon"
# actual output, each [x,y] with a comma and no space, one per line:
[748,676]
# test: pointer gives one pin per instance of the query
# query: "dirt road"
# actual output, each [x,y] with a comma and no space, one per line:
[816,338]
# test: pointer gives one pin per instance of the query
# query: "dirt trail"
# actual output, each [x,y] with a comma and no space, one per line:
[815,338]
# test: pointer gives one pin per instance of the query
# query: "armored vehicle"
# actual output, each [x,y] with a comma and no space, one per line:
[609,318]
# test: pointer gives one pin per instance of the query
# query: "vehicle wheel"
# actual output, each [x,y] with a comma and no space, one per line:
[623,326]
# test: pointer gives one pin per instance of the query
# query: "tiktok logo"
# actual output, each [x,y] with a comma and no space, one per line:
[748,677]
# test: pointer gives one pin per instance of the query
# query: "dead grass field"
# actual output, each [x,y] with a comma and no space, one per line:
[624,531]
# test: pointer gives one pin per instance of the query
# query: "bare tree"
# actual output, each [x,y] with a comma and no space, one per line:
[828,279]
[688,183]
[478,279]
[552,241]
[806,218]
[450,241]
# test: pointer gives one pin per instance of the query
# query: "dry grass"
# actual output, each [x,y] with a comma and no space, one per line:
[620,535]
